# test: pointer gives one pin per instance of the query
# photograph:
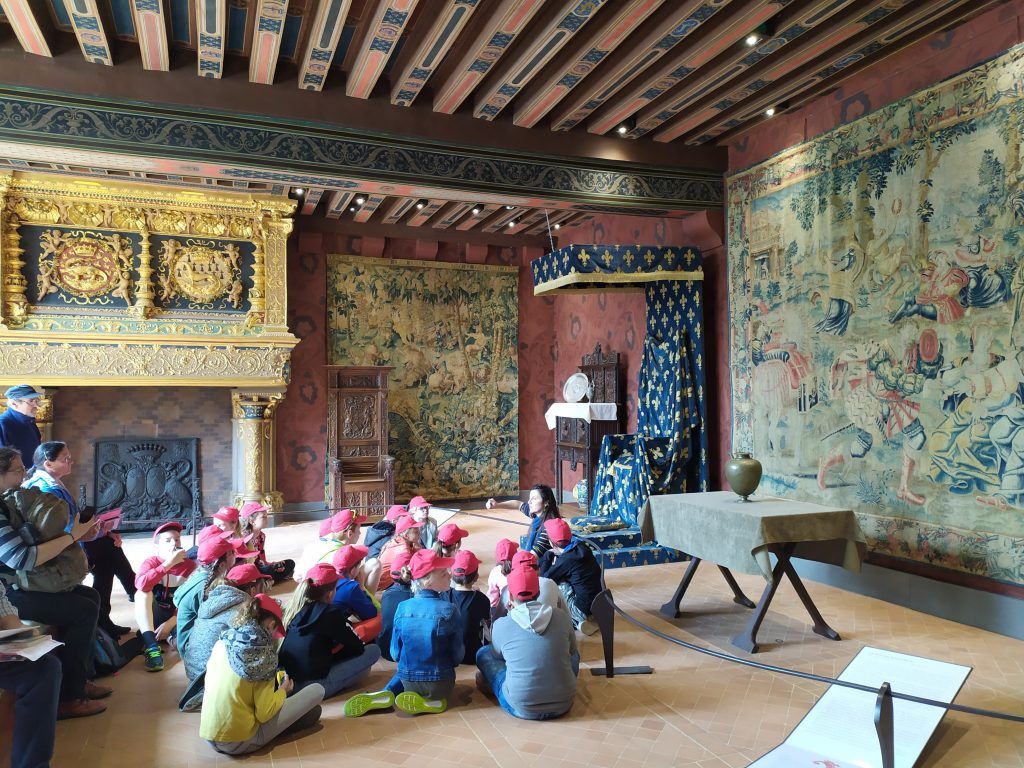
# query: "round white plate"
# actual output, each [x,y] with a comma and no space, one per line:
[576,388]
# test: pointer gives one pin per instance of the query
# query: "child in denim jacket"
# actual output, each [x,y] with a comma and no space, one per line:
[426,641]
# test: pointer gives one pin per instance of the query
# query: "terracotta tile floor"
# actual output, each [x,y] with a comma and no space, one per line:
[693,711]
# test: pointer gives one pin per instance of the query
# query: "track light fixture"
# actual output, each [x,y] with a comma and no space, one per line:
[558,226]
[300,191]
[512,223]
[421,204]
[352,208]
[477,210]
[626,126]
[509,207]
[360,200]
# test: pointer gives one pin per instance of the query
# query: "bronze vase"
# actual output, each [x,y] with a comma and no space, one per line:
[743,472]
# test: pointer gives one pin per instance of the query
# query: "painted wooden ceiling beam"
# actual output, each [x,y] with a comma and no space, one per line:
[27,28]
[370,204]
[325,33]
[337,204]
[503,217]
[151,33]
[506,21]
[590,48]
[451,215]
[755,68]
[648,45]
[212,37]
[873,44]
[420,216]
[703,45]
[547,37]
[394,212]
[312,200]
[525,222]
[268,26]
[380,34]
[475,219]
[553,219]
[88,26]
[416,64]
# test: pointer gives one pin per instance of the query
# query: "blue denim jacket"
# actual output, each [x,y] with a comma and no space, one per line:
[427,638]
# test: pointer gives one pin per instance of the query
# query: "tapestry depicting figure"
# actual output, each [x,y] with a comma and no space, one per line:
[451,333]
[876,280]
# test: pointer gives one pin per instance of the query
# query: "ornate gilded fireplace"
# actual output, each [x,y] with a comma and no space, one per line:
[129,285]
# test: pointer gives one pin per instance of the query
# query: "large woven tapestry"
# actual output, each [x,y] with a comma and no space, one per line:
[451,333]
[876,284]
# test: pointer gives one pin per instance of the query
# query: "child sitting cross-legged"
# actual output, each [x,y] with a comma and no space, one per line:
[155,583]
[533,661]
[246,704]
[572,566]
[406,539]
[351,597]
[550,594]
[473,605]
[426,642]
[399,591]
[503,553]
[320,646]
[253,517]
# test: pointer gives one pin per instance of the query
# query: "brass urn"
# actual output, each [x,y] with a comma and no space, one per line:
[743,472]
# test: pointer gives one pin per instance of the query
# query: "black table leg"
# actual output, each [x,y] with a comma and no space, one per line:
[738,596]
[603,613]
[747,639]
[820,627]
[671,608]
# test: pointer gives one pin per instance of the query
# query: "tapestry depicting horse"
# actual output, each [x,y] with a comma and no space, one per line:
[451,333]
[876,283]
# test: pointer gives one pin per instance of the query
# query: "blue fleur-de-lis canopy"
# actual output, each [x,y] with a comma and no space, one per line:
[669,452]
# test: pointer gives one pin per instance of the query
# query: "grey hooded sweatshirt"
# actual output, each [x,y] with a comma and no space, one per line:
[536,643]
[215,616]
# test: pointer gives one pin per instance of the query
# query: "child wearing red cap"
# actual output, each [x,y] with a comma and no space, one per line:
[399,591]
[449,539]
[320,646]
[426,641]
[503,552]
[244,702]
[550,594]
[215,556]
[341,529]
[226,518]
[380,533]
[351,597]
[533,661]
[254,519]
[540,507]
[572,566]
[474,608]
[419,510]
[155,583]
[406,539]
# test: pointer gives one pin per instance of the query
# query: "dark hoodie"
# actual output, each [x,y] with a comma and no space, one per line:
[377,535]
[318,637]
[215,616]
[578,568]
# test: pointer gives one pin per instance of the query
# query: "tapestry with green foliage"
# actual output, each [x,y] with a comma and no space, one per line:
[876,282]
[451,333]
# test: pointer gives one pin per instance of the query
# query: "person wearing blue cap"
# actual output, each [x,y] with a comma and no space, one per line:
[18,423]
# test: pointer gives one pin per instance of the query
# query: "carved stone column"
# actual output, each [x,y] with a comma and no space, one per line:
[252,446]
[143,307]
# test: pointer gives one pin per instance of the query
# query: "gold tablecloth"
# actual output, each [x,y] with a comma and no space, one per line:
[720,528]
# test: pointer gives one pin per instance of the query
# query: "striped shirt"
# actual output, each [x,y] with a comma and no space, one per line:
[14,552]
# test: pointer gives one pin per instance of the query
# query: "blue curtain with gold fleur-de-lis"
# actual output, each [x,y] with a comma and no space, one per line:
[668,453]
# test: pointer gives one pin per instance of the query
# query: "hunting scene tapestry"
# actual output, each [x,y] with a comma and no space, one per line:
[876,283]
[451,333]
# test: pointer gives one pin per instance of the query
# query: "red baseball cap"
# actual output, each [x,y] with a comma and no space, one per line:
[396,511]
[322,574]
[426,561]
[465,562]
[227,514]
[405,523]
[241,547]
[504,550]
[269,604]
[524,558]
[213,548]
[523,584]
[250,508]
[210,530]
[401,561]
[171,526]
[344,519]
[348,557]
[418,501]
[558,530]
[450,533]
[243,574]
[325,528]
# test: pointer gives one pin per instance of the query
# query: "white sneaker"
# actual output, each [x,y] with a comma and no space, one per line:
[589,627]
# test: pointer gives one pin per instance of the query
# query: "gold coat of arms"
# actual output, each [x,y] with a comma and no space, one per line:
[89,267]
[200,272]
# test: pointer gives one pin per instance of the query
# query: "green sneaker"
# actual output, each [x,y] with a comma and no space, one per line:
[154,659]
[414,704]
[362,703]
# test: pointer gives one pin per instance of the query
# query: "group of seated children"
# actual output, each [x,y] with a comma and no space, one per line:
[428,618]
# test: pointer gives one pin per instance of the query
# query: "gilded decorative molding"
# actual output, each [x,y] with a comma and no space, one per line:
[85,268]
[253,454]
[15,286]
[254,404]
[143,308]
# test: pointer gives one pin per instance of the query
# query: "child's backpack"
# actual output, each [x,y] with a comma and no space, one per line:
[109,657]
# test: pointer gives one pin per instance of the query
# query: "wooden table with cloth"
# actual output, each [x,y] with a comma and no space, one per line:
[735,535]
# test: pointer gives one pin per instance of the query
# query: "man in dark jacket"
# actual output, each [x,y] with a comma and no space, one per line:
[572,566]
[18,423]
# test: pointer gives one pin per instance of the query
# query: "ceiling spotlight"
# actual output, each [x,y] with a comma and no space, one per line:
[360,200]
[421,204]
[299,191]
[752,39]
[622,130]
[512,223]
[509,207]
[769,112]
[558,226]
[476,210]
[626,126]
[352,208]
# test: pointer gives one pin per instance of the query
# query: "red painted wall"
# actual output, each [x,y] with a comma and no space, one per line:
[916,67]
